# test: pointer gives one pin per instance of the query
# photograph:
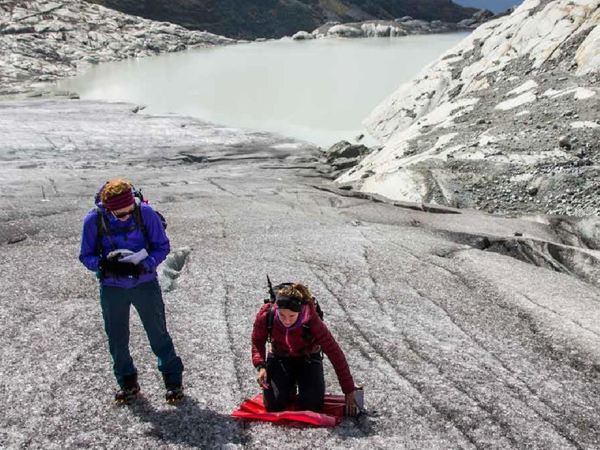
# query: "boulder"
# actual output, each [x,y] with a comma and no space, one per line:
[483,15]
[344,149]
[376,30]
[564,142]
[344,163]
[397,32]
[467,23]
[15,28]
[345,31]
[302,36]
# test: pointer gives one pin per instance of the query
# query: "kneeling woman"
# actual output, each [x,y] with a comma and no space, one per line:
[297,336]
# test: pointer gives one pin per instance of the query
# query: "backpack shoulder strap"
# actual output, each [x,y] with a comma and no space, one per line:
[270,319]
[101,230]
[139,222]
[318,308]
[306,333]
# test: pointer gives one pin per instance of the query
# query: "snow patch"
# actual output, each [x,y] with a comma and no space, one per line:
[586,124]
[551,93]
[287,145]
[523,99]
[433,151]
[578,93]
[402,185]
[583,93]
[527,86]
[445,114]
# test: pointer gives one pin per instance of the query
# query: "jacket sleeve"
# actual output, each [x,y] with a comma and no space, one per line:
[88,253]
[259,337]
[159,246]
[333,351]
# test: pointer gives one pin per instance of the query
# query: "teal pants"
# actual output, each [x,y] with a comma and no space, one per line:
[147,299]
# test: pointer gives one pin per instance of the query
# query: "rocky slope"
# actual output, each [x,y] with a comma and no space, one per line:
[42,40]
[505,121]
[277,18]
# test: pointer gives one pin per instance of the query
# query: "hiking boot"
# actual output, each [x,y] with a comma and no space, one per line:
[174,394]
[125,394]
[128,390]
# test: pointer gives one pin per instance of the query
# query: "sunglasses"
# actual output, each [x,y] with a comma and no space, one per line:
[122,214]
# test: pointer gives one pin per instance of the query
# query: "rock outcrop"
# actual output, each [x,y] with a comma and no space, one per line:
[505,121]
[403,26]
[392,28]
[340,157]
[278,18]
[42,41]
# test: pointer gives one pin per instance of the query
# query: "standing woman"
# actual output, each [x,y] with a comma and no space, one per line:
[298,339]
[137,231]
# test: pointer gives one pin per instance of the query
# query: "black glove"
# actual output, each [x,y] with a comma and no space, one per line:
[110,267]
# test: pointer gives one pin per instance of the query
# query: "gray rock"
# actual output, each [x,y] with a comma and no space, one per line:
[564,142]
[302,36]
[16,28]
[345,31]
[345,149]
[483,15]
[466,23]
[344,163]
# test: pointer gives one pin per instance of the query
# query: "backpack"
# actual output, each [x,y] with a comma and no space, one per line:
[138,222]
[306,334]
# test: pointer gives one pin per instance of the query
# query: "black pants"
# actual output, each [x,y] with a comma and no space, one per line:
[284,374]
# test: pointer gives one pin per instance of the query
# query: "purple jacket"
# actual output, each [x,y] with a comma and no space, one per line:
[158,248]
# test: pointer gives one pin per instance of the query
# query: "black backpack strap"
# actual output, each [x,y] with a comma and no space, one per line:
[139,222]
[102,229]
[270,319]
[318,308]
[306,333]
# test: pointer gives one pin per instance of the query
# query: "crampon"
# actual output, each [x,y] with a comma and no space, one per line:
[174,395]
[124,395]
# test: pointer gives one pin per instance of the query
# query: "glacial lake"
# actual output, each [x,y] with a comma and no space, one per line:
[319,91]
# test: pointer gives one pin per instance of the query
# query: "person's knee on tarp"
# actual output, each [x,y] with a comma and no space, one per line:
[298,338]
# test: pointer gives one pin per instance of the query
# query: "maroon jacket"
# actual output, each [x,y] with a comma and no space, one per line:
[289,342]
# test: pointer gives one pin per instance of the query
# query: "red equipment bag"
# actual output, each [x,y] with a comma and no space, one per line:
[333,410]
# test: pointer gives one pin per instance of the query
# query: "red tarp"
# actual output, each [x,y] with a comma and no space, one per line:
[333,410]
